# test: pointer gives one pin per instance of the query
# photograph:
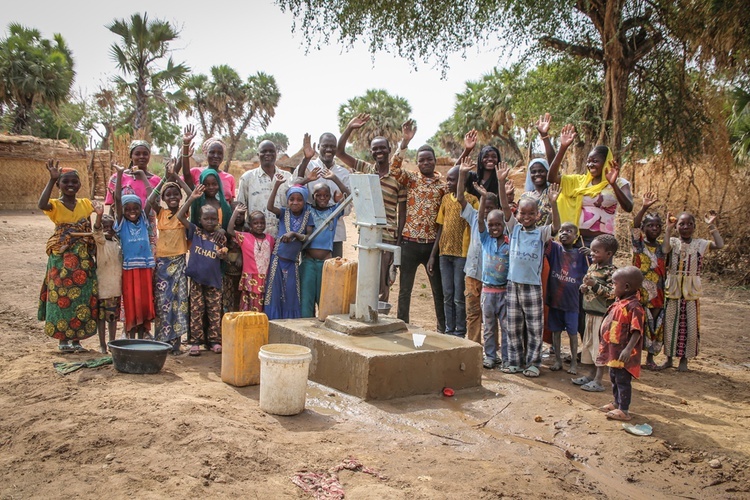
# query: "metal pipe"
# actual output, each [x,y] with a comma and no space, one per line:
[320,228]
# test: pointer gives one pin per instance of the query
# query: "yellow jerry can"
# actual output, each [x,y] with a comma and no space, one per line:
[338,289]
[242,335]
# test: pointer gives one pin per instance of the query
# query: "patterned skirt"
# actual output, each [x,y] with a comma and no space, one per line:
[653,338]
[681,328]
[68,301]
[282,296]
[230,292]
[252,290]
[171,294]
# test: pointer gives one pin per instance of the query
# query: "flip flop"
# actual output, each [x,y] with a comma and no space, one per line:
[195,350]
[581,380]
[511,369]
[65,348]
[618,415]
[638,430]
[593,387]
[652,366]
[216,348]
[531,371]
[608,408]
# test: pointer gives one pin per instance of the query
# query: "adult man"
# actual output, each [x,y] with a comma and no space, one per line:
[394,194]
[425,190]
[326,152]
[256,186]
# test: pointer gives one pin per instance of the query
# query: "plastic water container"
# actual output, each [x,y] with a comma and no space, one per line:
[242,334]
[338,289]
[283,378]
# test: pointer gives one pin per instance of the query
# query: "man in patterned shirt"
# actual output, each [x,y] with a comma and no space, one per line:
[424,192]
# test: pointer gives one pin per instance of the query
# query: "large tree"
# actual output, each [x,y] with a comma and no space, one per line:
[387,114]
[33,71]
[618,35]
[143,45]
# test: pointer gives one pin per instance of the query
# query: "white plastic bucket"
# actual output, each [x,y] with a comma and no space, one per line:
[283,378]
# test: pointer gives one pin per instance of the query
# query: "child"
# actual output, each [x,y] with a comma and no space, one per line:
[651,260]
[213,195]
[295,223]
[132,228]
[67,302]
[233,264]
[109,274]
[473,267]
[525,300]
[321,247]
[683,286]
[597,296]
[568,265]
[452,242]
[621,340]
[204,270]
[257,248]
[170,280]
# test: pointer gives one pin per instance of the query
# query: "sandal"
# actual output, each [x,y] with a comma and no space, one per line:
[65,348]
[618,415]
[77,347]
[652,366]
[531,371]
[581,380]
[511,369]
[195,350]
[593,386]
[216,348]
[608,408]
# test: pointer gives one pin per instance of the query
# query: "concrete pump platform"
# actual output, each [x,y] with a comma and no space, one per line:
[382,365]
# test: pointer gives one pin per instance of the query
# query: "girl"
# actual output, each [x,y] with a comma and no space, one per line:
[651,260]
[132,227]
[68,302]
[683,285]
[170,280]
[487,161]
[257,248]
[295,223]
[213,195]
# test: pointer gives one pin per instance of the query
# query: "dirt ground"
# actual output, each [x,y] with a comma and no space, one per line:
[185,434]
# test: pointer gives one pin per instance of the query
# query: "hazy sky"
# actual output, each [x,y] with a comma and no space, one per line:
[256,36]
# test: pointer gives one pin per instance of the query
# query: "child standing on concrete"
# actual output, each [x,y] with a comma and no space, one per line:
[622,339]
[525,301]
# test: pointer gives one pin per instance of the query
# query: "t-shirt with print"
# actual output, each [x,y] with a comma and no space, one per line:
[454,240]
[495,259]
[567,269]
[598,297]
[324,239]
[473,267]
[204,265]
[527,252]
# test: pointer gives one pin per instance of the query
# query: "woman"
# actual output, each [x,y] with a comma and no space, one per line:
[487,161]
[214,150]
[590,200]
[536,188]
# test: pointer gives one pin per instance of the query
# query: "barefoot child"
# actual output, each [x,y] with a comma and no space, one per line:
[132,227]
[525,300]
[204,270]
[683,286]
[68,304]
[651,260]
[170,280]
[257,248]
[295,223]
[109,274]
[597,296]
[473,267]
[622,340]
[568,265]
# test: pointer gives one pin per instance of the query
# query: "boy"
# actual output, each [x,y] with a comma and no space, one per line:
[525,301]
[109,274]
[568,265]
[204,271]
[452,241]
[621,340]
[597,296]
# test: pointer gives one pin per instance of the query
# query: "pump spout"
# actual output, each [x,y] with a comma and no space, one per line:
[395,249]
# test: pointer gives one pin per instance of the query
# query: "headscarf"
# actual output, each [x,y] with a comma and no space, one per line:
[529,186]
[297,189]
[138,143]
[574,187]
[210,142]
[195,208]
[170,184]
[131,198]
[69,170]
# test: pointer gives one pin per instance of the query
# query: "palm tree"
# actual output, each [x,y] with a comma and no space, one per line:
[387,113]
[33,71]
[143,43]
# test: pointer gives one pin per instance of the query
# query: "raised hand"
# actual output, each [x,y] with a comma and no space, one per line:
[553,191]
[197,192]
[53,167]
[188,134]
[120,169]
[98,208]
[543,123]
[169,172]
[567,135]
[308,149]
[710,217]
[671,221]
[409,129]
[358,121]
[470,139]
[241,208]
[502,170]
[326,173]
[613,173]
[480,189]
[649,199]
[313,174]
[466,165]
[510,189]
[278,179]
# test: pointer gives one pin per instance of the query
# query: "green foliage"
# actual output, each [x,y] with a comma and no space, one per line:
[247,146]
[33,71]
[739,123]
[278,138]
[387,114]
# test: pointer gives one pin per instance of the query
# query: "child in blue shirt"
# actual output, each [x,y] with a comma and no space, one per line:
[525,301]
[568,266]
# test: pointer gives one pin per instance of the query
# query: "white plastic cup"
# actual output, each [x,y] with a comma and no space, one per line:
[283,378]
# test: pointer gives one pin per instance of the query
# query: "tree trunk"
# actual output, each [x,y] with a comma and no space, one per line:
[139,122]
[21,120]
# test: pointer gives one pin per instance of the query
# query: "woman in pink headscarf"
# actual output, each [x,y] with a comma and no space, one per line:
[213,149]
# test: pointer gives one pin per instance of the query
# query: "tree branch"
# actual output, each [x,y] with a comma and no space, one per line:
[573,49]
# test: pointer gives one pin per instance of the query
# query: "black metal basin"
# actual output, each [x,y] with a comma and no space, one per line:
[138,356]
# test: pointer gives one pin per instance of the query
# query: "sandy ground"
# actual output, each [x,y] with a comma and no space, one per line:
[185,434]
